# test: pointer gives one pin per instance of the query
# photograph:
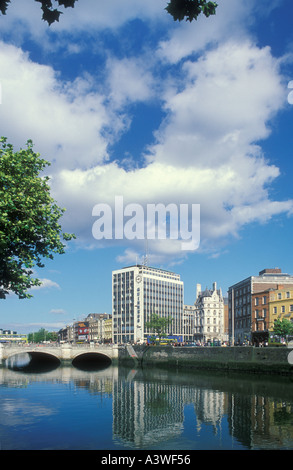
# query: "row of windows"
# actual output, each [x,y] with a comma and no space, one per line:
[279,309]
[242,312]
[282,309]
[145,272]
[127,274]
[215,305]
[209,329]
[242,300]
[243,290]
[147,282]
[199,321]
[264,299]
[208,312]
[149,287]
[281,295]
[260,300]
[260,313]
[242,323]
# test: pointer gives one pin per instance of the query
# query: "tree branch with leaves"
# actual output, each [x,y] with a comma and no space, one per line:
[29,219]
[190,9]
[50,14]
[179,9]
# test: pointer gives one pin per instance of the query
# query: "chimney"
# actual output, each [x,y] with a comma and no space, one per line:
[270,271]
[198,290]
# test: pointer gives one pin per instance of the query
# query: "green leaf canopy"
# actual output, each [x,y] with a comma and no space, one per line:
[29,219]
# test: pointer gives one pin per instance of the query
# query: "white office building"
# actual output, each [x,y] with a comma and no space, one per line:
[137,293]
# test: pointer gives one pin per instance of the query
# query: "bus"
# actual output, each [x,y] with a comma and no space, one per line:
[13,338]
[164,340]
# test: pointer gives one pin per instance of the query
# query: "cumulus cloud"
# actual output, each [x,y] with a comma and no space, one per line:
[129,81]
[46,284]
[230,94]
[206,150]
[64,120]
[218,105]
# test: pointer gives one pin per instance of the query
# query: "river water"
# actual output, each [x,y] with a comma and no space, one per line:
[148,409]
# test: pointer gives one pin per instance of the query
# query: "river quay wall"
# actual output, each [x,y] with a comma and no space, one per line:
[266,360]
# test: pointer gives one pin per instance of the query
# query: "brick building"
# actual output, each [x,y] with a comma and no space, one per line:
[240,302]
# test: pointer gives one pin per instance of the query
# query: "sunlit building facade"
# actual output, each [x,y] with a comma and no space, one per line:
[245,318]
[209,315]
[140,291]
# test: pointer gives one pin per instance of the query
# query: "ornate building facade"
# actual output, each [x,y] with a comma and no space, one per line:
[209,315]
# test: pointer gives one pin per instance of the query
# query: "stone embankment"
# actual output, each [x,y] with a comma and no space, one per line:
[269,360]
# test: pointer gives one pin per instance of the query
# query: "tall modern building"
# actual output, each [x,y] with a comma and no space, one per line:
[137,293]
[240,297]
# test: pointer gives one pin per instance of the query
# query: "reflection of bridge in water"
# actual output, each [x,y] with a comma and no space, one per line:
[63,353]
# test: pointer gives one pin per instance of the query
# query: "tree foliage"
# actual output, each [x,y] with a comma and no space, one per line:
[158,324]
[42,335]
[29,219]
[190,9]
[283,327]
[179,9]
[50,14]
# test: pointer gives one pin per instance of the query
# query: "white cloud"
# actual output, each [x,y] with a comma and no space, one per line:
[208,148]
[58,311]
[24,18]
[206,151]
[129,81]
[71,124]
[230,94]
[46,284]
[65,121]
[231,20]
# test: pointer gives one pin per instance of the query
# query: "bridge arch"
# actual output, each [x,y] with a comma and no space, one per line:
[32,361]
[91,359]
[18,351]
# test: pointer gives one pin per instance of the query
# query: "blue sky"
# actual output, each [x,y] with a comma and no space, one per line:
[122,100]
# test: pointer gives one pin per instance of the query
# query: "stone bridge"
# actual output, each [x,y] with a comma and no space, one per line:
[64,353]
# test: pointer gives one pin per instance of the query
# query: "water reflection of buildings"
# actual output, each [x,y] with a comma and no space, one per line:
[210,407]
[145,414]
[152,408]
[261,422]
